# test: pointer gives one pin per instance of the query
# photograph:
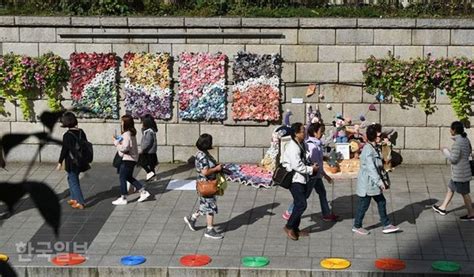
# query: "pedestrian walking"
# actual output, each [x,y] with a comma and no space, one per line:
[461,174]
[127,149]
[315,148]
[206,167]
[371,182]
[68,155]
[295,160]
[148,159]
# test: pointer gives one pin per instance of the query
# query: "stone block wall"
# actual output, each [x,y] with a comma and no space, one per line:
[313,49]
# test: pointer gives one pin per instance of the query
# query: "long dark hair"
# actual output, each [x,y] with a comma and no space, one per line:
[149,122]
[129,125]
[458,128]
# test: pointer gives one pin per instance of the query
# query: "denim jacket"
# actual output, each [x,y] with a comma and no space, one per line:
[369,180]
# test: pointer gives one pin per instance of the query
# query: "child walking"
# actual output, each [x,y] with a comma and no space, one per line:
[148,159]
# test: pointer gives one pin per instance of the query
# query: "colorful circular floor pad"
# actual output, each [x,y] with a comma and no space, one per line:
[195,260]
[390,264]
[3,258]
[446,266]
[132,260]
[255,261]
[68,259]
[335,263]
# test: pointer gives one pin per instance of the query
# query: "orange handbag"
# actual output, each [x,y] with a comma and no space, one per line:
[207,188]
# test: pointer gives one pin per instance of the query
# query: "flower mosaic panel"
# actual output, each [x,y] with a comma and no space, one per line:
[202,94]
[256,92]
[147,85]
[94,84]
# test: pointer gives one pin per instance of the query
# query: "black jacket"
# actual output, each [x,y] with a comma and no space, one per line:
[69,141]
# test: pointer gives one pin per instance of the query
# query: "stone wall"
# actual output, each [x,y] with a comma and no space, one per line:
[313,49]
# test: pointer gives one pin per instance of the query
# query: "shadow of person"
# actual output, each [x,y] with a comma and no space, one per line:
[341,206]
[409,213]
[248,217]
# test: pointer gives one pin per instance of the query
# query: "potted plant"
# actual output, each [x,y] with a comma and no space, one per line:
[333,161]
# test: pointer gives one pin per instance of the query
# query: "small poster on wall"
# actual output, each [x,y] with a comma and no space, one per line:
[344,149]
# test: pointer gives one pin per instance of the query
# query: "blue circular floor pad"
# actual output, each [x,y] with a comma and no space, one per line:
[133,260]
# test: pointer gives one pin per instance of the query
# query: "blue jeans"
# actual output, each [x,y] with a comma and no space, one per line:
[363,206]
[75,187]
[298,191]
[126,174]
[318,185]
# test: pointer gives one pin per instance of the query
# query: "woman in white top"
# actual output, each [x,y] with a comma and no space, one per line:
[295,159]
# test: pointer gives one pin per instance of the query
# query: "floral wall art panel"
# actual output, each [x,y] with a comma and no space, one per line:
[256,92]
[94,84]
[148,85]
[202,93]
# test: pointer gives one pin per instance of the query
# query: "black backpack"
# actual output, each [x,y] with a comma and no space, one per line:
[82,153]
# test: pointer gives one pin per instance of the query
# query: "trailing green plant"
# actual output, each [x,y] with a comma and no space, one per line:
[24,79]
[55,72]
[414,82]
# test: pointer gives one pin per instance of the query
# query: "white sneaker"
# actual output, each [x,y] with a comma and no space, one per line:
[120,201]
[150,175]
[143,196]
[390,229]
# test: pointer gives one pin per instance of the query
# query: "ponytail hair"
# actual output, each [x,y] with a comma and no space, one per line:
[458,128]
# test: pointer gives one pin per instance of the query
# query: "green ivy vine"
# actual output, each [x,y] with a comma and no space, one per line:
[24,79]
[414,82]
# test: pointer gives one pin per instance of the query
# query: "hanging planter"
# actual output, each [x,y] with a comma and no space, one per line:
[24,79]
[412,83]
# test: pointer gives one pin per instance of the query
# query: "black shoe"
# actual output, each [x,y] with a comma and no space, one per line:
[212,234]
[467,218]
[438,210]
[191,222]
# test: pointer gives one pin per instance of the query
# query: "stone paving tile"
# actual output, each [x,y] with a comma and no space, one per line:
[251,222]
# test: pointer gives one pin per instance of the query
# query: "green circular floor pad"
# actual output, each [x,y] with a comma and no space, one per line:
[251,261]
[446,266]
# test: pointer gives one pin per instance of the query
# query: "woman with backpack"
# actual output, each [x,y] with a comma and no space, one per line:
[461,174]
[68,155]
[127,148]
[148,159]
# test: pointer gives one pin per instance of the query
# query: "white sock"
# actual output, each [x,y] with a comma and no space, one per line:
[209,228]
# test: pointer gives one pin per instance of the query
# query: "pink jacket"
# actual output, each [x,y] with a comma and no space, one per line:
[127,148]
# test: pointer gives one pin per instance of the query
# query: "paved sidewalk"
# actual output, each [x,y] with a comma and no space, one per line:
[250,219]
